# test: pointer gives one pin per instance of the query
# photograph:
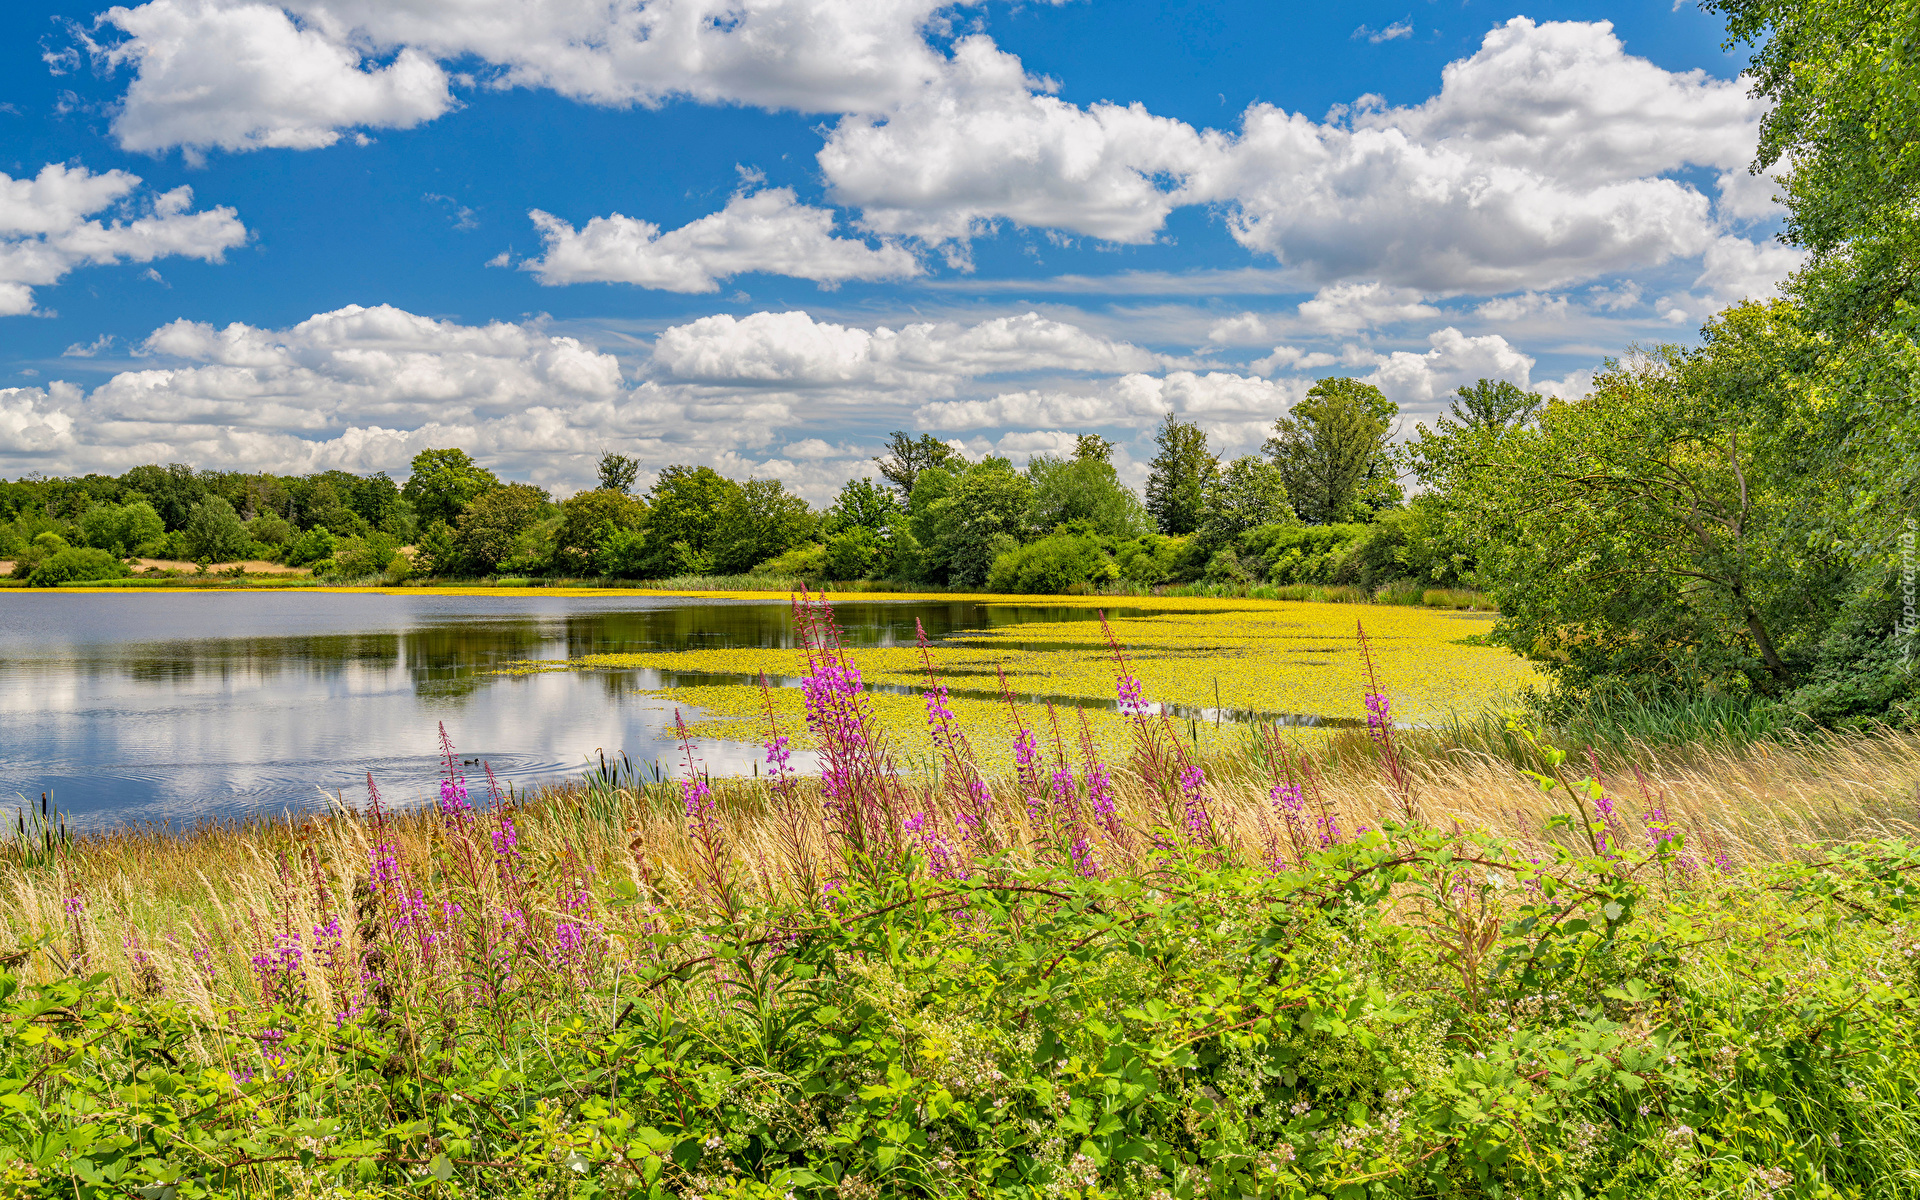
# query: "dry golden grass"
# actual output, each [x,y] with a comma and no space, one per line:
[190,907]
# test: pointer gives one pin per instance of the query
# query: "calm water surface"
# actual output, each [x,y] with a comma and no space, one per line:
[178,708]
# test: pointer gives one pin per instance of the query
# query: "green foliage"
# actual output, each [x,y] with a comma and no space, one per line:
[121,528]
[1179,473]
[622,554]
[853,553]
[1086,490]
[860,503]
[1332,452]
[214,531]
[685,505]
[489,530]
[270,530]
[73,563]
[1247,493]
[357,557]
[617,472]
[589,520]
[1492,404]
[807,562]
[906,457]
[173,490]
[1150,559]
[1409,1013]
[758,520]
[1071,559]
[972,518]
[311,547]
[444,482]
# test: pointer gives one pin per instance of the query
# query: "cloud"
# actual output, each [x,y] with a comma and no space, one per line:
[240,75]
[45,230]
[981,145]
[1421,383]
[1245,329]
[793,349]
[1735,269]
[209,74]
[366,388]
[1123,401]
[1526,304]
[1540,161]
[766,231]
[1292,358]
[1351,307]
[1393,32]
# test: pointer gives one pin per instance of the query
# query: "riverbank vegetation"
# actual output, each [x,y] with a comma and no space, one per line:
[1386,968]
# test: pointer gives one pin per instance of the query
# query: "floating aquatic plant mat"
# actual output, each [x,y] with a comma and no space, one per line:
[1212,663]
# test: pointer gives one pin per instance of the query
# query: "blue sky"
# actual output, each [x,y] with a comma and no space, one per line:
[762,234]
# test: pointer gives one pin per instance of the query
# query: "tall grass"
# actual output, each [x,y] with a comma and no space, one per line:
[1411,963]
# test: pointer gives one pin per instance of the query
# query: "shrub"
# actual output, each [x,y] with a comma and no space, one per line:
[621,553]
[801,562]
[1052,565]
[355,557]
[310,547]
[853,553]
[489,529]
[73,564]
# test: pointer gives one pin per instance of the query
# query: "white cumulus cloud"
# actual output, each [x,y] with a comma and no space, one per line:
[980,145]
[766,231]
[210,74]
[1351,307]
[49,226]
[794,349]
[241,74]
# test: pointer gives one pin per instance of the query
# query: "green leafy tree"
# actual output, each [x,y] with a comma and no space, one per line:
[1652,534]
[588,519]
[617,472]
[1178,475]
[1072,559]
[759,520]
[1493,403]
[214,531]
[444,482]
[1084,489]
[121,528]
[907,456]
[1248,492]
[684,508]
[854,552]
[492,523]
[73,564]
[327,503]
[1093,446]
[860,503]
[1332,452]
[173,490]
[979,515]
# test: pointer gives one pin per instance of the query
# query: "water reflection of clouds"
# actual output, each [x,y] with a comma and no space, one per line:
[180,708]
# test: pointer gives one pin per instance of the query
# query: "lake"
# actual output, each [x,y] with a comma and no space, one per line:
[181,707]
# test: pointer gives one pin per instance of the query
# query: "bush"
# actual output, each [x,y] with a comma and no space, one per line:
[621,553]
[1304,553]
[1151,559]
[75,564]
[356,557]
[1052,565]
[43,546]
[312,546]
[807,562]
[120,528]
[853,553]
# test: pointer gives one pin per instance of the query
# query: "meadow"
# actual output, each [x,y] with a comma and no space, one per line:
[1438,962]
